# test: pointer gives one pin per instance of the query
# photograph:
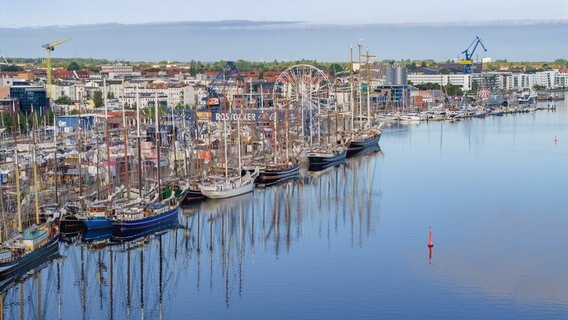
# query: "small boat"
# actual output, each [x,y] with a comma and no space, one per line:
[322,158]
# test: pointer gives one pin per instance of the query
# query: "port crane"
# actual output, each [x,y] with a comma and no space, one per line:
[228,72]
[468,54]
[48,48]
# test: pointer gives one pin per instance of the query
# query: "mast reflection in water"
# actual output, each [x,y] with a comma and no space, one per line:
[204,261]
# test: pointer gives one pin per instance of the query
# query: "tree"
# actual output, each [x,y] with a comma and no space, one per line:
[73,66]
[335,68]
[11,68]
[64,100]
[444,71]
[98,99]
[110,95]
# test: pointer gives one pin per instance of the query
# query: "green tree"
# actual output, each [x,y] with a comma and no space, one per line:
[444,71]
[110,95]
[11,68]
[335,68]
[73,66]
[64,100]
[98,98]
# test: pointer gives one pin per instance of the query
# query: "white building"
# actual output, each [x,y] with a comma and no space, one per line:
[117,70]
[461,80]
[545,78]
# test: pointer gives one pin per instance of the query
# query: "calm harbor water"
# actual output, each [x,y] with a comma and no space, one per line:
[350,242]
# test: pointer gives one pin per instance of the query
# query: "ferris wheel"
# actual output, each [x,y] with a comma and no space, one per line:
[304,86]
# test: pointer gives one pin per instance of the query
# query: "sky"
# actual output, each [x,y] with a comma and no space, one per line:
[72,12]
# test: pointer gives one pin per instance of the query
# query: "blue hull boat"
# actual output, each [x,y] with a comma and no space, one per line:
[160,214]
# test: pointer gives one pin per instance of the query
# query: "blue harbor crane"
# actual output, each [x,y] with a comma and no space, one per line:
[228,72]
[467,61]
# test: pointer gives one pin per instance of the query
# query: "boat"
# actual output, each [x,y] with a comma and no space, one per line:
[31,246]
[69,223]
[280,169]
[136,218]
[279,172]
[193,193]
[527,97]
[50,253]
[97,216]
[322,158]
[228,187]
[235,183]
[34,244]
[364,143]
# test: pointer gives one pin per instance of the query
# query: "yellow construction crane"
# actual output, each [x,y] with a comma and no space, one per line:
[48,48]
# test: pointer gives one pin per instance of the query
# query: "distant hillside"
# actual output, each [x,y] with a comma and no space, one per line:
[266,41]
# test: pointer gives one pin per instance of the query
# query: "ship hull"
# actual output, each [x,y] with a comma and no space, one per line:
[21,265]
[122,227]
[271,176]
[318,163]
[364,146]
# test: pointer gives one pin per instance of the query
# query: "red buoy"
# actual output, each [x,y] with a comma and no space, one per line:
[430,242]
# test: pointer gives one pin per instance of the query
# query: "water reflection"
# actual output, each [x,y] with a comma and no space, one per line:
[212,247]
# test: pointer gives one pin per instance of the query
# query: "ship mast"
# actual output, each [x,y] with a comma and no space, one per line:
[158,143]
[16,168]
[139,142]
[109,182]
[36,183]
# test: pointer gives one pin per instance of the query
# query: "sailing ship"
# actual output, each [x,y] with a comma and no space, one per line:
[366,139]
[32,245]
[234,184]
[279,170]
[144,214]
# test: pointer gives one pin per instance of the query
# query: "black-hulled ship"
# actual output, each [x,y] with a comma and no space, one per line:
[30,247]
[193,193]
[70,222]
[276,173]
[364,143]
[322,158]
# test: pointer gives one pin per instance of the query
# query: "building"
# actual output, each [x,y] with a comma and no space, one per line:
[30,97]
[117,70]
[9,104]
[461,80]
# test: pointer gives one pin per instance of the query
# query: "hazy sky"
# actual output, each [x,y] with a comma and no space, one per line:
[16,13]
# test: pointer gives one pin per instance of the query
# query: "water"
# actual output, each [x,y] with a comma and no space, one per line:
[351,242]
